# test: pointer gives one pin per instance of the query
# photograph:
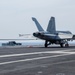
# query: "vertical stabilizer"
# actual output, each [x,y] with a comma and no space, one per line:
[37,24]
[51,26]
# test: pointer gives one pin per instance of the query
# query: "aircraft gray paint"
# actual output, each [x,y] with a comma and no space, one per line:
[51,36]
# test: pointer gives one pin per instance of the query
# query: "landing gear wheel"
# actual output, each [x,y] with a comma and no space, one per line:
[61,44]
[46,44]
[67,45]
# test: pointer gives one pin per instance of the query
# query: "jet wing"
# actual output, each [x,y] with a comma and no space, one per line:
[73,37]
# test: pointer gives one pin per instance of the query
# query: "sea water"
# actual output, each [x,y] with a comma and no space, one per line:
[31,42]
[25,42]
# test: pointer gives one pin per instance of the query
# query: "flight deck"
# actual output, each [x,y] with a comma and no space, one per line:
[37,61]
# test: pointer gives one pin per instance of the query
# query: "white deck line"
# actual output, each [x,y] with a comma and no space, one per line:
[31,59]
[33,53]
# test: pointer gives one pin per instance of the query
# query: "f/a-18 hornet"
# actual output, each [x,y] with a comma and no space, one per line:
[51,36]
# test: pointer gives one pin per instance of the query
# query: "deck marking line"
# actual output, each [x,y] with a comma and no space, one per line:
[38,58]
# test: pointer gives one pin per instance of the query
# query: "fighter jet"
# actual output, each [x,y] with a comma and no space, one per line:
[51,36]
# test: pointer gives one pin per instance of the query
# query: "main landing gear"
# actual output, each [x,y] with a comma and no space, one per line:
[62,43]
[47,43]
[65,43]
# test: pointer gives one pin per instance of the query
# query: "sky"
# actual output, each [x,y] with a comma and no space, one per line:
[16,16]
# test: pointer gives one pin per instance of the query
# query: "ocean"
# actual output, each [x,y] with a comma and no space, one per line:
[31,43]
[25,42]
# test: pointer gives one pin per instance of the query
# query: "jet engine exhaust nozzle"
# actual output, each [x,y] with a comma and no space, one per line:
[36,34]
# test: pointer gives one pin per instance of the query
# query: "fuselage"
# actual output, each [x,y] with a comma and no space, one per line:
[59,35]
